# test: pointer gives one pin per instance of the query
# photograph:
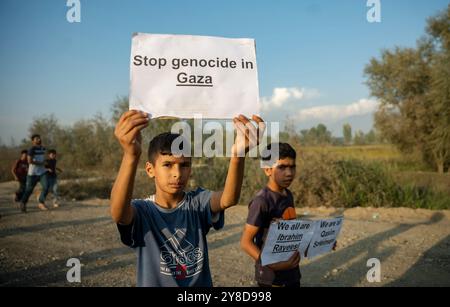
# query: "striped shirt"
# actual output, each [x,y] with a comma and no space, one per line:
[37,154]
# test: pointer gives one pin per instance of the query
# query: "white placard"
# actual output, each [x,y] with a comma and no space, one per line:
[324,238]
[284,238]
[193,76]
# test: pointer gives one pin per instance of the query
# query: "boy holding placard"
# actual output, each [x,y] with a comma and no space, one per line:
[271,203]
[168,231]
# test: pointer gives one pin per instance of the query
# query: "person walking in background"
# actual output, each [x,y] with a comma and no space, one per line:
[50,165]
[36,173]
[19,171]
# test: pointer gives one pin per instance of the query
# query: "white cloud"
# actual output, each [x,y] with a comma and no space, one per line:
[282,95]
[361,107]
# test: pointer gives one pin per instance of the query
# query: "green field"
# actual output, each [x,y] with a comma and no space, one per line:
[406,170]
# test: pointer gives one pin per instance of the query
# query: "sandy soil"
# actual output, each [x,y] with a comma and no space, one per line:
[412,245]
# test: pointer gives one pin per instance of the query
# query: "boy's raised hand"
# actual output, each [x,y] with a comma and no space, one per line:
[128,131]
[248,135]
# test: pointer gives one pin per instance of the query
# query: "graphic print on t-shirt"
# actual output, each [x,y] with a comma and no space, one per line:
[289,214]
[179,257]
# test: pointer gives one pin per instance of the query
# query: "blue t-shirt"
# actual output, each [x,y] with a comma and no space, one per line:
[37,153]
[170,244]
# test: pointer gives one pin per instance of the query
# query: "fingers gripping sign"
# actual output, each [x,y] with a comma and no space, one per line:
[128,131]
[248,135]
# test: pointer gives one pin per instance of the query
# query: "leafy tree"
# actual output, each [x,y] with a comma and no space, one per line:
[413,87]
[347,131]
[47,127]
[319,135]
[359,138]
[371,137]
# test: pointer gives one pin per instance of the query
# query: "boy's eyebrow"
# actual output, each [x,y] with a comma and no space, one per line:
[283,164]
[167,161]
[175,162]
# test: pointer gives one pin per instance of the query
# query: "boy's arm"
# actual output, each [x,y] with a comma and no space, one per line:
[229,197]
[14,170]
[128,133]
[247,243]
[248,136]
[47,167]
[32,161]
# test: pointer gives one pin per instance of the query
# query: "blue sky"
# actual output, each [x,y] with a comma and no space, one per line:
[311,53]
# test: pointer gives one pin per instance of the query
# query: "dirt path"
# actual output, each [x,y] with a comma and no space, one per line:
[412,245]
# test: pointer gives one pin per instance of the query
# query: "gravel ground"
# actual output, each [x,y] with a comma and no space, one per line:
[412,245]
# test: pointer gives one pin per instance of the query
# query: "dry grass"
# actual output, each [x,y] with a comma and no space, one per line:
[366,153]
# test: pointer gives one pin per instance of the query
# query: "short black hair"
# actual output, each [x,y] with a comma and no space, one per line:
[35,136]
[284,151]
[24,152]
[162,145]
[52,151]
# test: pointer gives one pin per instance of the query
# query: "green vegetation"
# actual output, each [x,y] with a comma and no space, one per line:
[359,169]
[328,175]
[325,178]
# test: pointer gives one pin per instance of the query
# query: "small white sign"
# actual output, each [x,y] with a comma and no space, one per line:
[284,238]
[324,238]
[193,76]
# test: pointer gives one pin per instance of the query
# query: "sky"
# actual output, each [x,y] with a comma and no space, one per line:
[311,54]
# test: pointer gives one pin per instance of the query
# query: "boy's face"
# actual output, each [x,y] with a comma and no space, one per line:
[23,156]
[52,155]
[282,173]
[171,173]
[36,141]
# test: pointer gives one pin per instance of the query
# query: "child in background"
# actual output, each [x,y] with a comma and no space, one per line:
[272,203]
[19,171]
[52,177]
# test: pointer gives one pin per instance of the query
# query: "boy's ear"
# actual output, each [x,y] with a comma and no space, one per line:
[150,169]
[268,171]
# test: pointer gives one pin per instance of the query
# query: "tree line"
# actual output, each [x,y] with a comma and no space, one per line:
[412,86]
